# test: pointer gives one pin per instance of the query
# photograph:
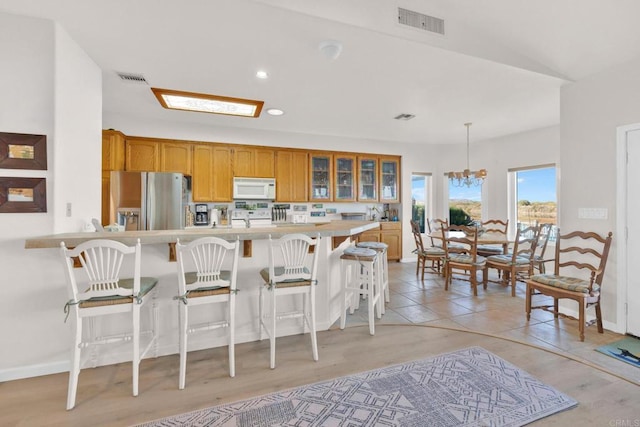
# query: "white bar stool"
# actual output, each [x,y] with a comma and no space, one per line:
[359,278]
[382,269]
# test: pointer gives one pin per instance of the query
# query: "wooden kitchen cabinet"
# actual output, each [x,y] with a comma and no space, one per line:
[212,178]
[344,177]
[112,150]
[367,179]
[142,155]
[389,233]
[292,176]
[320,177]
[176,157]
[389,180]
[256,162]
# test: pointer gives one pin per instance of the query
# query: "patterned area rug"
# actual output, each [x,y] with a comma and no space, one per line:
[626,350]
[469,387]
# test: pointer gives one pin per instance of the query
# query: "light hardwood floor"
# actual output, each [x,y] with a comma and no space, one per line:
[421,320]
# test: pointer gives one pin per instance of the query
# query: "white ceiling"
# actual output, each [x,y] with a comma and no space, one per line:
[500,64]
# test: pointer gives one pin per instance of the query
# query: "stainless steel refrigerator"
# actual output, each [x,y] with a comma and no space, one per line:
[148,200]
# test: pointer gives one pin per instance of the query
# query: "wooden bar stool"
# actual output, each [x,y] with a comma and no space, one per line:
[381,269]
[359,278]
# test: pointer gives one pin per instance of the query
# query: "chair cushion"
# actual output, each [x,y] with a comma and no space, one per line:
[372,245]
[506,259]
[146,285]
[467,259]
[433,251]
[565,282]
[264,273]
[490,249]
[354,253]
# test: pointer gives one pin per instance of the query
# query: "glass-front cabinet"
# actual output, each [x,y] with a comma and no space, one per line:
[367,179]
[345,178]
[320,169]
[389,186]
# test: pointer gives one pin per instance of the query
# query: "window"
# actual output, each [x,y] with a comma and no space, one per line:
[420,196]
[465,203]
[533,198]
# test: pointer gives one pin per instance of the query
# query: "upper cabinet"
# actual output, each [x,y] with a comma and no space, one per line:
[176,157]
[320,175]
[112,150]
[389,180]
[344,177]
[367,179]
[212,179]
[142,155]
[292,176]
[301,175]
[257,162]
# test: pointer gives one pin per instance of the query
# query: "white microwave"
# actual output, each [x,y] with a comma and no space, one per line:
[254,188]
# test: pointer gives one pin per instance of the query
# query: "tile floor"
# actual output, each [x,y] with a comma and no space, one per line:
[493,311]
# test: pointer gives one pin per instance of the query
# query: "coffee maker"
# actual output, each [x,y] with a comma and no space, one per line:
[202,214]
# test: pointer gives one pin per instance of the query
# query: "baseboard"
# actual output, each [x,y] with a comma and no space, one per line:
[30,371]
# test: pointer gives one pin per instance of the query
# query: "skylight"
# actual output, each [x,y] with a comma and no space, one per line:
[200,102]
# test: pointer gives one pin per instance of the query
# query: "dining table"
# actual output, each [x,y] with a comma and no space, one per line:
[486,238]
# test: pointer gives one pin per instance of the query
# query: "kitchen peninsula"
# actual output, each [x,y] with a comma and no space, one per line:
[335,236]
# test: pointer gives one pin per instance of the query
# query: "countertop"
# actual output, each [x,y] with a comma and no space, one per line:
[327,229]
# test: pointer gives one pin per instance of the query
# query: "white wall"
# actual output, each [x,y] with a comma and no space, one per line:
[41,68]
[591,110]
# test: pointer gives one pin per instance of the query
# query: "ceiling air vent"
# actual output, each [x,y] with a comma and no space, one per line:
[404,116]
[420,21]
[133,78]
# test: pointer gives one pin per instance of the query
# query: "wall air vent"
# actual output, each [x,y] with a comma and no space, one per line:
[404,116]
[420,21]
[133,78]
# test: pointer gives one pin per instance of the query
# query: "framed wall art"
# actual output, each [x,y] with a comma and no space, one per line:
[23,195]
[23,151]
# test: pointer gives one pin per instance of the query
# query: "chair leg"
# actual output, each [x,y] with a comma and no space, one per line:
[474,281]
[74,372]
[312,323]
[136,346]
[232,335]
[527,303]
[272,334]
[599,318]
[513,283]
[183,318]
[581,319]
[345,269]
[261,312]
[555,308]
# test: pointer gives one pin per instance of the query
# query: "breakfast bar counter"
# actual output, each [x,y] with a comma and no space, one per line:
[326,229]
[335,237]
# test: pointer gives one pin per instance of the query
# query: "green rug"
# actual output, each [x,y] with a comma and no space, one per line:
[626,350]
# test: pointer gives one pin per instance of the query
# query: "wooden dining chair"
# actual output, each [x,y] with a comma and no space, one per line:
[493,226]
[540,258]
[580,261]
[519,260]
[433,255]
[469,262]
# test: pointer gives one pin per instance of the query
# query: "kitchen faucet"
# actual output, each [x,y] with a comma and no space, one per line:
[247,221]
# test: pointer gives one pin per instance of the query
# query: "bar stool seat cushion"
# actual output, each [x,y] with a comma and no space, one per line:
[355,253]
[372,245]
[146,285]
[264,273]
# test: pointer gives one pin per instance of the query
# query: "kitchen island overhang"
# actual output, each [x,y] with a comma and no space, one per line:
[344,228]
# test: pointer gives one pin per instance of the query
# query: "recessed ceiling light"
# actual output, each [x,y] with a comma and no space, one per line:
[200,102]
[275,111]
[261,74]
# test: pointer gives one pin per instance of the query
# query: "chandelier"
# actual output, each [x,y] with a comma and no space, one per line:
[467,177]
